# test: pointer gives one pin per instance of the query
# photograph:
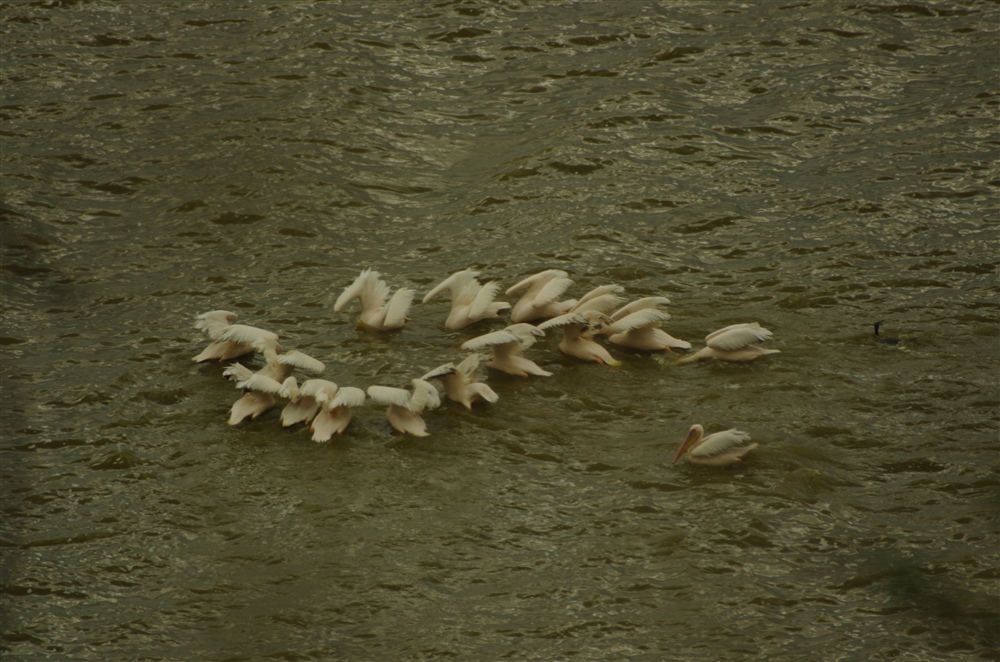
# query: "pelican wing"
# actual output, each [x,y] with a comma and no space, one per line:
[215,322]
[248,335]
[640,304]
[482,300]
[425,396]
[353,291]
[490,340]
[720,442]
[390,395]
[737,336]
[374,294]
[640,319]
[399,305]
[454,282]
[601,290]
[237,372]
[484,392]
[563,320]
[260,383]
[348,396]
[603,302]
[302,361]
[440,371]
[552,290]
[527,333]
[534,279]
[468,367]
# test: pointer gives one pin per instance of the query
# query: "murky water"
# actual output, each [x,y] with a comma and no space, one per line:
[814,166]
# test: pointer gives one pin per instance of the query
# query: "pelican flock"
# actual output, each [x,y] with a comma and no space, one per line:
[602,312]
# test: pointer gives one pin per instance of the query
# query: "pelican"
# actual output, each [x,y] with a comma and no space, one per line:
[230,341]
[637,325]
[508,349]
[405,407]
[460,382]
[258,393]
[378,311]
[260,387]
[578,331]
[470,300]
[734,343]
[540,299]
[335,414]
[719,449]
[305,400]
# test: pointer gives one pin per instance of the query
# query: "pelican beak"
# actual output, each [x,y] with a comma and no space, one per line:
[692,435]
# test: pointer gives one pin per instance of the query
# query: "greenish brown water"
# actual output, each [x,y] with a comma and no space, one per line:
[814,166]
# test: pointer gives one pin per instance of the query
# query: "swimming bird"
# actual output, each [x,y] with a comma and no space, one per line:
[335,414]
[378,311]
[461,383]
[260,387]
[540,301]
[889,340]
[508,349]
[637,325]
[470,300]
[230,341]
[719,449]
[405,407]
[304,401]
[734,343]
[579,329]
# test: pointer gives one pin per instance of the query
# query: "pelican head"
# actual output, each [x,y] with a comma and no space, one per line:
[693,437]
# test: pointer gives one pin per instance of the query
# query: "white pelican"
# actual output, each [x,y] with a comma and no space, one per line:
[734,343]
[304,401]
[637,325]
[470,300]
[405,407]
[260,387]
[258,394]
[230,341]
[508,349]
[461,384]
[540,299]
[335,414]
[578,332]
[719,449]
[378,311]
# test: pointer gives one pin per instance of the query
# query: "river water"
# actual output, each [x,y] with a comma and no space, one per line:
[811,165]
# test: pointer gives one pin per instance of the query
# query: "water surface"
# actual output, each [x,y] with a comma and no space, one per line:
[814,166]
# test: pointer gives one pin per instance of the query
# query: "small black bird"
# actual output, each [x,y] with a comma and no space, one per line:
[890,340]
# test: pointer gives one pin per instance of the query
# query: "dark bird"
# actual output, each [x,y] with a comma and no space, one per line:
[890,340]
